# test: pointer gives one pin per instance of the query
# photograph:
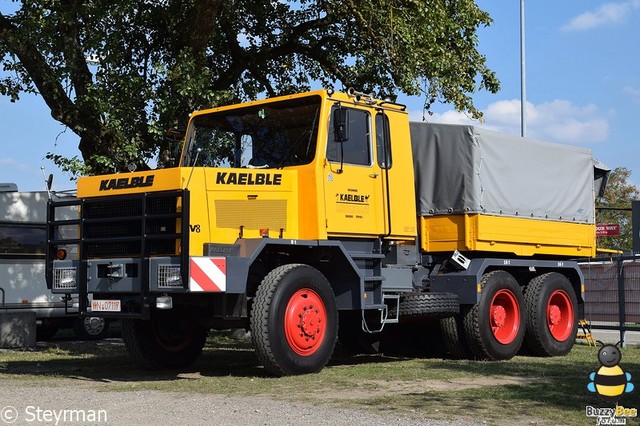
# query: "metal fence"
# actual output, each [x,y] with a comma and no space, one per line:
[612,293]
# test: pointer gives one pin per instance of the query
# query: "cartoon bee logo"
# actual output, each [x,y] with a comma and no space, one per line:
[610,381]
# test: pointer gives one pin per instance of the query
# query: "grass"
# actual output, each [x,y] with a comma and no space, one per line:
[525,390]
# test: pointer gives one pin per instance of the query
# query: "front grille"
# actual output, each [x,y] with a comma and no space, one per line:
[105,207]
[132,225]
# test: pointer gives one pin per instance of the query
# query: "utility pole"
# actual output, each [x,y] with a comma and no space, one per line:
[523,85]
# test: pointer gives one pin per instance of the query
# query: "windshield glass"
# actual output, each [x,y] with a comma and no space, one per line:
[265,136]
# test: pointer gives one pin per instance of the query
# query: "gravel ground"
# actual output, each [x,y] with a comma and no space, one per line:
[65,405]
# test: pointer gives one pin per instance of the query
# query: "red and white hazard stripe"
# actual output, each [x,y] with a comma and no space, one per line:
[208,274]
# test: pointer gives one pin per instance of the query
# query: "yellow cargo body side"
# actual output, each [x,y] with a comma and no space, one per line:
[520,236]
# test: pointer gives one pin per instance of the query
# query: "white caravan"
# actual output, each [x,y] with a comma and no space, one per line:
[23,234]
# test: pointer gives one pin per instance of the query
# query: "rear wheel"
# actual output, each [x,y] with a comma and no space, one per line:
[453,336]
[495,326]
[170,339]
[552,322]
[294,320]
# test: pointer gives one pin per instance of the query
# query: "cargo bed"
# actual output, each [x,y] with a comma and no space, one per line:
[478,190]
[520,236]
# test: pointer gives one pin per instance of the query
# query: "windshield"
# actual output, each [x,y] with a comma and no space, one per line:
[266,136]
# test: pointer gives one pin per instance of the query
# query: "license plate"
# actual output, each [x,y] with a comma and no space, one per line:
[105,306]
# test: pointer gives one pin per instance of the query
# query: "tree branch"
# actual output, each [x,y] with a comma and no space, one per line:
[202,25]
[39,71]
[69,31]
[247,59]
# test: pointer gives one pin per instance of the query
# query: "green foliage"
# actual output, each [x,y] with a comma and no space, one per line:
[619,193]
[156,61]
[74,166]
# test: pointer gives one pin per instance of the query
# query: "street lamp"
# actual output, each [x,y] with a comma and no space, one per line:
[523,88]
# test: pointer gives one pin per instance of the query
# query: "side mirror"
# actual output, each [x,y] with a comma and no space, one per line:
[340,125]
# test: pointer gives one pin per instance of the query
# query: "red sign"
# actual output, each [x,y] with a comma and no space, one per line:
[607,229]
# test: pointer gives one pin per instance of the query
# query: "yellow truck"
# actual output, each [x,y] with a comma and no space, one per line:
[295,216]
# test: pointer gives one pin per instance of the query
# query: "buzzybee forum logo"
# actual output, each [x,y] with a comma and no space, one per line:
[610,382]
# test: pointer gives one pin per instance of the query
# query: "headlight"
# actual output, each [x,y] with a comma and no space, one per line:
[169,276]
[65,279]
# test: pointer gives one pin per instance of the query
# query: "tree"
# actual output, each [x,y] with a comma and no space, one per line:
[618,194]
[156,61]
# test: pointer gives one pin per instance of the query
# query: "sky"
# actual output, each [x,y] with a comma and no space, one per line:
[582,89]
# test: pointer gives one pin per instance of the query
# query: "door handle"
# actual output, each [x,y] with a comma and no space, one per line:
[373,175]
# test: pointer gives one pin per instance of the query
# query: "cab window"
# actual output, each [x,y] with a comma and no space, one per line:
[357,148]
[383,145]
[17,239]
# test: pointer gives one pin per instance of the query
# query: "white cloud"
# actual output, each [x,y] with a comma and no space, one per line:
[608,13]
[555,121]
[12,163]
[633,92]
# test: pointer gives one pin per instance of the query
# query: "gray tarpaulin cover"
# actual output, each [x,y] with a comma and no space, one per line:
[466,169]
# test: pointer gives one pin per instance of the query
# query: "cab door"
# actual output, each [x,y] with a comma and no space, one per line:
[352,179]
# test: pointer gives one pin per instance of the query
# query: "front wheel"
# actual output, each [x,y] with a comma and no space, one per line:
[294,320]
[495,326]
[552,321]
[170,339]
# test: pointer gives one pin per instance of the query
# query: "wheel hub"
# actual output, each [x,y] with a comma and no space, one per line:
[555,315]
[498,316]
[310,321]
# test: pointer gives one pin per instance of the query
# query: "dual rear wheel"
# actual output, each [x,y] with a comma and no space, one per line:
[543,319]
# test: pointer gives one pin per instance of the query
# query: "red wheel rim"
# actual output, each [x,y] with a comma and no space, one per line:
[504,315]
[305,322]
[560,315]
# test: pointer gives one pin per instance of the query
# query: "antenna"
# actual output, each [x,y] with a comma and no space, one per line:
[195,161]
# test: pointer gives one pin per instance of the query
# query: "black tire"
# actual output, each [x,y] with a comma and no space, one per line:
[552,309]
[418,306]
[90,328]
[495,326]
[171,339]
[284,345]
[453,336]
